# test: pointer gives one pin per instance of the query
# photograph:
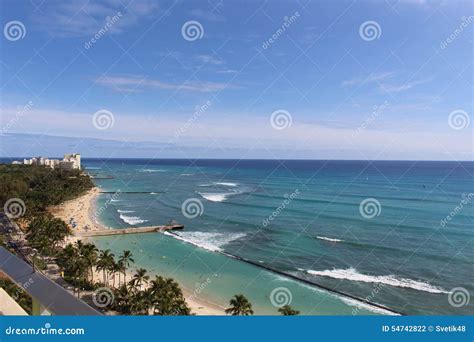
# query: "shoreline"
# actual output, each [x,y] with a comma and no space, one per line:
[81,210]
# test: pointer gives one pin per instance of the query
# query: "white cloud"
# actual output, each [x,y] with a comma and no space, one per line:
[390,88]
[247,132]
[82,18]
[371,78]
[134,83]
[209,59]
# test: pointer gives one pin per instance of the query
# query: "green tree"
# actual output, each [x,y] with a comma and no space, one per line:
[125,260]
[239,306]
[167,297]
[288,311]
[139,278]
[103,263]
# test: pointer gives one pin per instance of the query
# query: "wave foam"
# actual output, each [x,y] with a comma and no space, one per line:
[210,241]
[151,170]
[215,197]
[327,239]
[353,275]
[229,184]
[361,305]
[132,220]
[125,211]
[226,184]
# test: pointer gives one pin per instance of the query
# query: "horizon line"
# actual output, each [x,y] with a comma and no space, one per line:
[252,159]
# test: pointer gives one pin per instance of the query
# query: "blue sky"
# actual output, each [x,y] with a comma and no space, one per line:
[348,95]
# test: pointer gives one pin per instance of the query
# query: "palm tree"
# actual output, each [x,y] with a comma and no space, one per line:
[123,300]
[115,268]
[125,259]
[89,254]
[104,262]
[239,306]
[140,277]
[166,297]
[287,310]
[110,266]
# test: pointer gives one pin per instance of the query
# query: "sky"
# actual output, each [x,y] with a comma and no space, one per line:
[238,79]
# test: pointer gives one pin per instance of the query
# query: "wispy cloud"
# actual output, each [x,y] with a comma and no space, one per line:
[208,59]
[207,15]
[393,88]
[134,83]
[371,78]
[82,18]
[212,133]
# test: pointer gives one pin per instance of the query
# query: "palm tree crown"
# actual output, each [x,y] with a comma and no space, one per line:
[239,306]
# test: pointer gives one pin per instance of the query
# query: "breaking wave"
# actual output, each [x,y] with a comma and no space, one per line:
[353,275]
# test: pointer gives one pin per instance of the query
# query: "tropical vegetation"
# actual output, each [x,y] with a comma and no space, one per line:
[239,306]
[287,310]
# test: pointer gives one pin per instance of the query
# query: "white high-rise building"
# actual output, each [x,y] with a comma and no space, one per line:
[75,158]
[71,161]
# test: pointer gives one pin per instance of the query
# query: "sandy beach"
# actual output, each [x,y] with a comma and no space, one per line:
[80,215]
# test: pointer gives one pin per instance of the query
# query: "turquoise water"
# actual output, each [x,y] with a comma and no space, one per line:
[303,218]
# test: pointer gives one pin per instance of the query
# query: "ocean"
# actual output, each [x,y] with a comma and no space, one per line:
[396,233]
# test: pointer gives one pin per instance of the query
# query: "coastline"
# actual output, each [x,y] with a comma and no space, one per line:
[82,211]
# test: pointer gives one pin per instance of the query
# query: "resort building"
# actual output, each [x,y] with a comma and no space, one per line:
[69,162]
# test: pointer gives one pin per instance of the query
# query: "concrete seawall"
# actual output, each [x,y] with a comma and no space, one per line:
[138,230]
